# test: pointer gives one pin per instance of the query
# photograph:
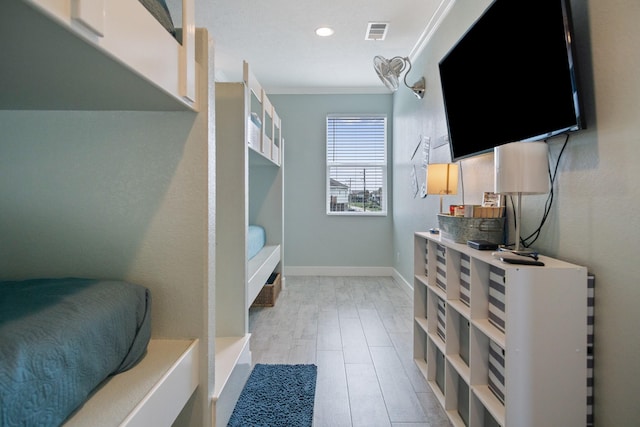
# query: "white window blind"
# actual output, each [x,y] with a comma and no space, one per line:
[357,164]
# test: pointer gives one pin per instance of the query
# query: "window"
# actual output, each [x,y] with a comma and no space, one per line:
[356,165]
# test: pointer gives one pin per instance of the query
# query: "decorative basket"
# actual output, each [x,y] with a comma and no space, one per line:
[269,292]
[461,229]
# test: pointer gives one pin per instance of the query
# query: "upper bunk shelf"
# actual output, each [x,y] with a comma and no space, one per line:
[263,124]
[94,55]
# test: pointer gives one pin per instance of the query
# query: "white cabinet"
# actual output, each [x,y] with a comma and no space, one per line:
[500,344]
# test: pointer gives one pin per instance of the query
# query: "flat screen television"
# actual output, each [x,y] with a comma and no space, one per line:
[511,77]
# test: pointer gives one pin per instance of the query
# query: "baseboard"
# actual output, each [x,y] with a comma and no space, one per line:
[406,286]
[338,271]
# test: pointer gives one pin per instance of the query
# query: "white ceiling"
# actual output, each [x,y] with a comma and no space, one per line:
[277,38]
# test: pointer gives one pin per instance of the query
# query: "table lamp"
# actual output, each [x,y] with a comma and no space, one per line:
[442,178]
[521,168]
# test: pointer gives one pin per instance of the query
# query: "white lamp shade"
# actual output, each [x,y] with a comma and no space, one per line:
[521,168]
[442,178]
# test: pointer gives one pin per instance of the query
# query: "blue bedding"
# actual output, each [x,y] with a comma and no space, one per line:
[60,338]
[256,239]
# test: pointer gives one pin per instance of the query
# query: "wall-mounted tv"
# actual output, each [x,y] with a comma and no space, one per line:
[511,77]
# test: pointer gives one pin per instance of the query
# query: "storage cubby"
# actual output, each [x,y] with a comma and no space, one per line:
[500,344]
[457,397]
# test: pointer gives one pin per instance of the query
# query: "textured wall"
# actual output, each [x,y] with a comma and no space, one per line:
[312,238]
[594,220]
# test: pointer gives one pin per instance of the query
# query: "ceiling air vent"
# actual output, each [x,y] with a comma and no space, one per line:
[376,30]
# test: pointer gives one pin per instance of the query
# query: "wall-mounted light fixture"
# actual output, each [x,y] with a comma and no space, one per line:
[389,71]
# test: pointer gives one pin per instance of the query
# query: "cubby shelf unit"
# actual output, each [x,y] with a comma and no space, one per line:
[500,344]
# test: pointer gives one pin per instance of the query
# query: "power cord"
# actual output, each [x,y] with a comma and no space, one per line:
[461,181]
[531,238]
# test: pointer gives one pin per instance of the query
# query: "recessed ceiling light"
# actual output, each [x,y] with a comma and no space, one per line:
[324,31]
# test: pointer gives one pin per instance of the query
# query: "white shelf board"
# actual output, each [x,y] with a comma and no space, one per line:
[422,279]
[422,366]
[422,322]
[259,268]
[437,392]
[151,393]
[460,367]
[493,333]
[229,351]
[460,307]
[455,419]
[439,342]
[439,292]
[491,402]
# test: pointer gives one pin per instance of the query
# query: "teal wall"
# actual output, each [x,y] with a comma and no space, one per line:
[312,238]
[594,220]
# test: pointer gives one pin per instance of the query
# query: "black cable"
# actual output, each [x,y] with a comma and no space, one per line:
[461,182]
[530,239]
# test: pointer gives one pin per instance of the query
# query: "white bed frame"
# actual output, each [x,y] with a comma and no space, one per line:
[148,69]
[259,269]
[249,190]
[264,159]
[150,394]
[57,55]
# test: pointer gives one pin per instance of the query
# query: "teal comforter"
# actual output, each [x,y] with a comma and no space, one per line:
[60,338]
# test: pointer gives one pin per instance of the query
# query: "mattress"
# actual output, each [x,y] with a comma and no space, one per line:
[256,239]
[61,338]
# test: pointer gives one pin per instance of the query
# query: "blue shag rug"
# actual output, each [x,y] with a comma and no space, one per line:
[277,395]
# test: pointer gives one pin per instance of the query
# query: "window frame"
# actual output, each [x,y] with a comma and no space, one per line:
[383,166]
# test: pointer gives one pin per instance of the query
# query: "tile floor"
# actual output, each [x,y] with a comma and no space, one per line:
[359,332]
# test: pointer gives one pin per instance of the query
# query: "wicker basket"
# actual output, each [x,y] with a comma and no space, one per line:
[269,292]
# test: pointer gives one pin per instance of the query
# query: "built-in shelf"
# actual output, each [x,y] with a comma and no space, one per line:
[249,191]
[484,329]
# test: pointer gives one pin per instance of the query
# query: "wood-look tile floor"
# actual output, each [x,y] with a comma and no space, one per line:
[359,332]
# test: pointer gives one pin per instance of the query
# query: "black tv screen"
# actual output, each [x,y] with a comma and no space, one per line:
[511,77]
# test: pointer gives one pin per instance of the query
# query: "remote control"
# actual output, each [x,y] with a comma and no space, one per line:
[513,255]
[521,260]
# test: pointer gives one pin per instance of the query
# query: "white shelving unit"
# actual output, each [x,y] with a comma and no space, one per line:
[249,190]
[500,344]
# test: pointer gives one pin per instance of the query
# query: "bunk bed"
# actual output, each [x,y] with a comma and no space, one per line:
[96,55]
[61,339]
[120,55]
[265,184]
[249,194]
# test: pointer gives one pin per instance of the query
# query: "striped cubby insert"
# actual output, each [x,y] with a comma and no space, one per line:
[591,282]
[442,307]
[441,267]
[426,258]
[496,297]
[465,278]
[496,370]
